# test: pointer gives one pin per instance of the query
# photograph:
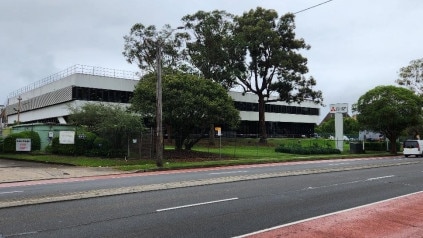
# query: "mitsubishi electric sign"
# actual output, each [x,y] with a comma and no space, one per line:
[339,108]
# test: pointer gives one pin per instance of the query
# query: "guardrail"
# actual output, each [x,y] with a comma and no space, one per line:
[81,69]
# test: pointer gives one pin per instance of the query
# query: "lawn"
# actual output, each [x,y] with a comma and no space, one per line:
[223,153]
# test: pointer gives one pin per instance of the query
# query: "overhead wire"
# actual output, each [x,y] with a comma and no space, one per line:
[313,6]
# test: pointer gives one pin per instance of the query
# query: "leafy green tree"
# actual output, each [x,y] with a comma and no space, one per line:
[213,52]
[350,126]
[190,105]
[411,76]
[390,110]
[257,52]
[109,121]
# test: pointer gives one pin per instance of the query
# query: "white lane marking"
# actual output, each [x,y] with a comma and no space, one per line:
[334,164]
[325,215]
[230,172]
[351,182]
[377,178]
[196,204]
[11,192]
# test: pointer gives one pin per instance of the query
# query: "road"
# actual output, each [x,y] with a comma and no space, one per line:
[244,199]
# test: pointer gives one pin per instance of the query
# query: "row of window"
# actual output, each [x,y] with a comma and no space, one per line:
[103,95]
[253,107]
[106,95]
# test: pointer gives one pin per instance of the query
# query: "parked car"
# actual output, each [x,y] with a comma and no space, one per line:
[413,147]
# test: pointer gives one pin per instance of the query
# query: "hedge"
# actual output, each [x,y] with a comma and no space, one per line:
[9,143]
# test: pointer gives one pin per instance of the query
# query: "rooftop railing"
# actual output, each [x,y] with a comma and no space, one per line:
[77,69]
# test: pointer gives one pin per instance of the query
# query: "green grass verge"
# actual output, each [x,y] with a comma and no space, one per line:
[226,152]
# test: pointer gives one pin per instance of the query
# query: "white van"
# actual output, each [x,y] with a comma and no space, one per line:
[413,147]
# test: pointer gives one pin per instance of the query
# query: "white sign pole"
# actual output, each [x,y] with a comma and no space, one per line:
[339,131]
[339,109]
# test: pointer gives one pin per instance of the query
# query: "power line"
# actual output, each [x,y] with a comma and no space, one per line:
[313,6]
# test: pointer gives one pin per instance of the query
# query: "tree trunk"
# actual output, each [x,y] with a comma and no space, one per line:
[262,121]
[211,135]
[393,144]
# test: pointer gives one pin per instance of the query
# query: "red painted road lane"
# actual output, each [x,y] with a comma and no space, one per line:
[393,218]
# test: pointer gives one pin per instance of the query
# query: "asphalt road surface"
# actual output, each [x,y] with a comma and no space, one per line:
[245,199]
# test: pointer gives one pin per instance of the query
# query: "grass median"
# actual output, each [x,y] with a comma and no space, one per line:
[240,152]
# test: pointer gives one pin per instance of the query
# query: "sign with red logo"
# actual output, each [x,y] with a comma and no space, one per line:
[23,144]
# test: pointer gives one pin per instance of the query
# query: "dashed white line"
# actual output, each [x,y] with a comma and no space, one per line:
[377,178]
[334,164]
[230,172]
[196,204]
[11,192]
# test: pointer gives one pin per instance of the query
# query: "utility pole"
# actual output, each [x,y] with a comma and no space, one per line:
[19,107]
[159,108]
[159,100]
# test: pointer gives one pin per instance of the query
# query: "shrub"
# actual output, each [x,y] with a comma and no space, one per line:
[9,143]
[312,150]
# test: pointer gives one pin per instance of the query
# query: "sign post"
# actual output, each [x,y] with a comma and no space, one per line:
[338,109]
[219,133]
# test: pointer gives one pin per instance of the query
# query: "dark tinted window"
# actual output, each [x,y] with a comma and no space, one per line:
[411,144]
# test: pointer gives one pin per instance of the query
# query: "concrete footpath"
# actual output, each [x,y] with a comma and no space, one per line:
[20,171]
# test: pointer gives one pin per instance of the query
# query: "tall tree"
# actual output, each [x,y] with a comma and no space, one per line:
[274,64]
[212,51]
[256,51]
[411,76]
[390,110]
[143,43]
[190,105]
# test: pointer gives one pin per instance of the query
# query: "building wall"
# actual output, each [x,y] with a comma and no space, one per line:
[52,98]
[43,131]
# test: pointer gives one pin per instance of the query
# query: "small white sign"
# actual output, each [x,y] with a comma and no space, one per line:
[23,144]
[339,108]
[219,130]
[67,137]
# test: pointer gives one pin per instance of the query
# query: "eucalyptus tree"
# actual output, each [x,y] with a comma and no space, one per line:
[257,52]
[145,45]
[411,76]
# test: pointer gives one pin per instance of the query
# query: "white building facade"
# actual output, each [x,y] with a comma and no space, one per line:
[48,100]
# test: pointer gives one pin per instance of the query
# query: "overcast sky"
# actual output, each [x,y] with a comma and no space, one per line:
[355,44]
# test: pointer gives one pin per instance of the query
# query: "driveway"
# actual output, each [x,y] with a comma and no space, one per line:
[17,171]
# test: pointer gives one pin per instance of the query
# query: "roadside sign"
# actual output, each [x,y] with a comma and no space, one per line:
[23,144]
[67,137]
[219,130]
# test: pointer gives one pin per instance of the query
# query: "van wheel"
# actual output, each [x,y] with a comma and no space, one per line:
[406,156]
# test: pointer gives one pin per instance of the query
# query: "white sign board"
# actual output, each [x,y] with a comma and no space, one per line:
[339,108]
[67,137]
[23,144]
